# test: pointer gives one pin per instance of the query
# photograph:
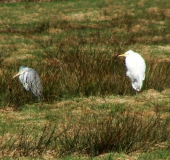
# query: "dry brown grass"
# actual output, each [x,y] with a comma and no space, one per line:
[79,115]
[148,100]
[116,17]
[75,50]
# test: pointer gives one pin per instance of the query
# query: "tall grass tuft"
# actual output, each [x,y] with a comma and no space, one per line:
[79,58]
[90,134]
[117,133]
[74,71]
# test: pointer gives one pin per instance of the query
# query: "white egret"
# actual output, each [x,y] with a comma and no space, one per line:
[136,67]
[30,80]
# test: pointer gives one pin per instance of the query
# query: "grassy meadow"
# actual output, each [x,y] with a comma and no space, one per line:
[89,109]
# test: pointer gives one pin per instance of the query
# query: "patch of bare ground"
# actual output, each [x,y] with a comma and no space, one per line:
[84,16]
[17,58]
[54,30]
[164,48]
[150,52]
[141,3]
[167,12]
[138,28]
[8,114]
[158,11]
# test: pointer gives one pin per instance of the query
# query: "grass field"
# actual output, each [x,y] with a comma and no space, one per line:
[89,109]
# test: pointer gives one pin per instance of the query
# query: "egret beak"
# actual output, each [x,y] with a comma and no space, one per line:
[122,55]
[18,74]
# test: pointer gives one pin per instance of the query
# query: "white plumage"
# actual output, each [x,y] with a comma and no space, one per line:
[136,67]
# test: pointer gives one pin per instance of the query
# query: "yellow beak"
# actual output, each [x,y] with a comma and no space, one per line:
[18,74]
[122,55]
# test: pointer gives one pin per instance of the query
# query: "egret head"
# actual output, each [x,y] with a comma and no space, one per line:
[21,71]
[128,53]
[22,68]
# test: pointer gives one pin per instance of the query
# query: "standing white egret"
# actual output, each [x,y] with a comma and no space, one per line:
[30,80]
[136,67]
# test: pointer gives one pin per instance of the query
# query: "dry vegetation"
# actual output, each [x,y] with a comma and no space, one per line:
[89,108]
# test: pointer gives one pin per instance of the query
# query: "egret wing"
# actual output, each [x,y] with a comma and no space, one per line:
[24,80]
[136,70]
[33,82]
